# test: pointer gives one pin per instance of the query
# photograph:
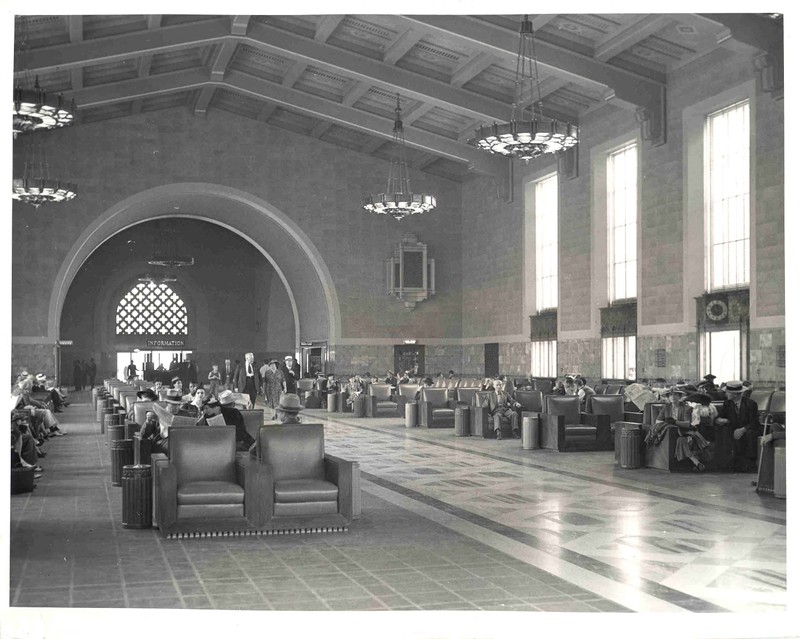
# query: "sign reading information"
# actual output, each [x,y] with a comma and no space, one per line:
[166,343]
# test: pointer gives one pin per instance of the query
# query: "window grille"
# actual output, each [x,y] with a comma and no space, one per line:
[727,197]
[151,309]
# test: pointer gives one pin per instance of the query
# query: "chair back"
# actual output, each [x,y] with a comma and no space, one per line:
[408,391]
[651,411]
[567,405]
[140,411]
[304,385]
[600,389]
[612,405]
[613,389]
[544,385]
[203,453]
[382,391]
[509,387]
[436,396]
[762,399]
[531,400]
[295,451]
[253,420]
[777,403]
[481,397]
[466,395]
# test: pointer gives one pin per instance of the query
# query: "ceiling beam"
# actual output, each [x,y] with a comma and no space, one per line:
[402,45]
[632,34]
[471,68]
[317,107]
[222,59]
[377,73]
[266,111]
[239,25]
[319,130]
[204,99]
[629,87]
[417,113]
[355,93]
[146,61]
[127,90]
[294,73]
[153,22]
[76,35]
[127,45]
[326,27]
[373,145]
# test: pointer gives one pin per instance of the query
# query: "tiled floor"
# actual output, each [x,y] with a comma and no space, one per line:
[448,524]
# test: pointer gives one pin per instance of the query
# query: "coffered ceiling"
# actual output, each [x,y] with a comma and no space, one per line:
[336,77]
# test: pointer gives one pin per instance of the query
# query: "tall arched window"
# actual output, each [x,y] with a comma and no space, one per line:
[152,309]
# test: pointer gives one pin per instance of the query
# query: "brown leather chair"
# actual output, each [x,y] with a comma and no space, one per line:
[544,385]
[611,409]
[435,410]
[381,399]
[405,394]
[205,487]
[305,488]
[564,427]
[532,402]
[613,389]
[479,416]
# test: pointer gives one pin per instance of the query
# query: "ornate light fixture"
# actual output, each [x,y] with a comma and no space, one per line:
[156,278]
[165,249]
[399,201]
[36,187]
[34,109]
[522,138]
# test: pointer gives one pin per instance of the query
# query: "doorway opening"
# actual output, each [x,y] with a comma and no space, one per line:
[149,364]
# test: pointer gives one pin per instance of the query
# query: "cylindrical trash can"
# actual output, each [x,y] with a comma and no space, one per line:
[530,432]
[630,454]
[95,395]
[112,419]
[137,496]
[106,412]
[462,421]
[411,414]
[121,455]
[359,406]
[332,402]
[114,432]
[102,404]
[780,470]
[342,404]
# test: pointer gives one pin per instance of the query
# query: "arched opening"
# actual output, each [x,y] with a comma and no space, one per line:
[313,305]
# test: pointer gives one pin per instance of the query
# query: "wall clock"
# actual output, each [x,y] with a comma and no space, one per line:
[716,310]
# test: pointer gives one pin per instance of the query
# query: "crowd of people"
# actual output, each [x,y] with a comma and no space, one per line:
[35,399]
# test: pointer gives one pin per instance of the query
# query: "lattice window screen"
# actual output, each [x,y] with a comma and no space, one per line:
[150,309]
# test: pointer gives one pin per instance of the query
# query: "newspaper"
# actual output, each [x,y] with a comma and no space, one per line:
[242,400]
[640,395]
[216,420]
[167,420]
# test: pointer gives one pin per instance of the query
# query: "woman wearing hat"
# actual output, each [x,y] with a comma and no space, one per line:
[679,413]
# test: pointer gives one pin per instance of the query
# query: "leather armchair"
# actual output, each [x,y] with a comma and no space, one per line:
[532,402]
[141,448]
[611,409]
[435,410]
[479,415]
[544,385]
[380,398]
[204,487]
[253,420]
[564,427]
[303,386]
[304,487]
[405,394]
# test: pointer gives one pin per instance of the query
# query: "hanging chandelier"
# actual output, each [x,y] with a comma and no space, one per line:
[36,187]
[165,249]
[399,200]
[34,109]
[157,278]
[526,138]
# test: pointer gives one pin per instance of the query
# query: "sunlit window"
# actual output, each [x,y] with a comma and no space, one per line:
[546,213]
[622,213]
[619,357]
[151,309]
[544,358]
[721,354]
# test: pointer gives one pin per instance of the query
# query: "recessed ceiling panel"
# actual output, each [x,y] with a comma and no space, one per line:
[172,20]
[235,103]
[293,121]
[349,138]
[169,101]
[323,83]
[260,63]
[106,112]
[104,26]
[301,25]
[495,81]
[382,102]
[178,60]
[443,122]
[110,72]
[363,34]
[33,32]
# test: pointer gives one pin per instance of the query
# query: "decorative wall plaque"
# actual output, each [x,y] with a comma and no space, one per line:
[661,358]
[410,273]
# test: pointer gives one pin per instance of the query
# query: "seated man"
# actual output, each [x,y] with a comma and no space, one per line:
[233,417]
[157,434]
[583,391]
[188,397]
[501,406]
[741,414]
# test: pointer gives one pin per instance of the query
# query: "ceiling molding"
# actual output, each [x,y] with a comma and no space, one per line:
[402,45]
[326,27]
[632,34]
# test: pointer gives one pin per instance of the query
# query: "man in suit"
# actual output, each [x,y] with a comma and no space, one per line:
[501,406]
[741,415]
[248,379]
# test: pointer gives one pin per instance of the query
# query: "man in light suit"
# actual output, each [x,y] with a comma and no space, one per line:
[248,379]
[501,406]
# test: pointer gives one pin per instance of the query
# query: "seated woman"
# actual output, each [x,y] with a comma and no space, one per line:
[690,443]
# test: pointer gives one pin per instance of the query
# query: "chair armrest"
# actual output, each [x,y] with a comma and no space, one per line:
[633,417]
[341,472]
[401,400]
[142,450]
[602,423]
[479,416]
[552,431]
[167,492]
[425,413]
[452,403]
[256,486]
[371,406]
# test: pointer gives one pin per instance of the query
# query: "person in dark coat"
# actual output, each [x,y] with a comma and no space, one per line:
[91,371]
[290,374]
[77,375]
[233,417]
[740,414]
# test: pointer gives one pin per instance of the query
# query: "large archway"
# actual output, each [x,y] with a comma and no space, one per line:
[287,248]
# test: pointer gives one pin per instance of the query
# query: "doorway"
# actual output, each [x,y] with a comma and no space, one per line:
[314,359]
[491,359]
[148,363]
[409,357]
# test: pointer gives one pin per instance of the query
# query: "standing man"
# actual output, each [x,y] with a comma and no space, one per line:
[292,373]
[248,379]
[132,371]
[91,371]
